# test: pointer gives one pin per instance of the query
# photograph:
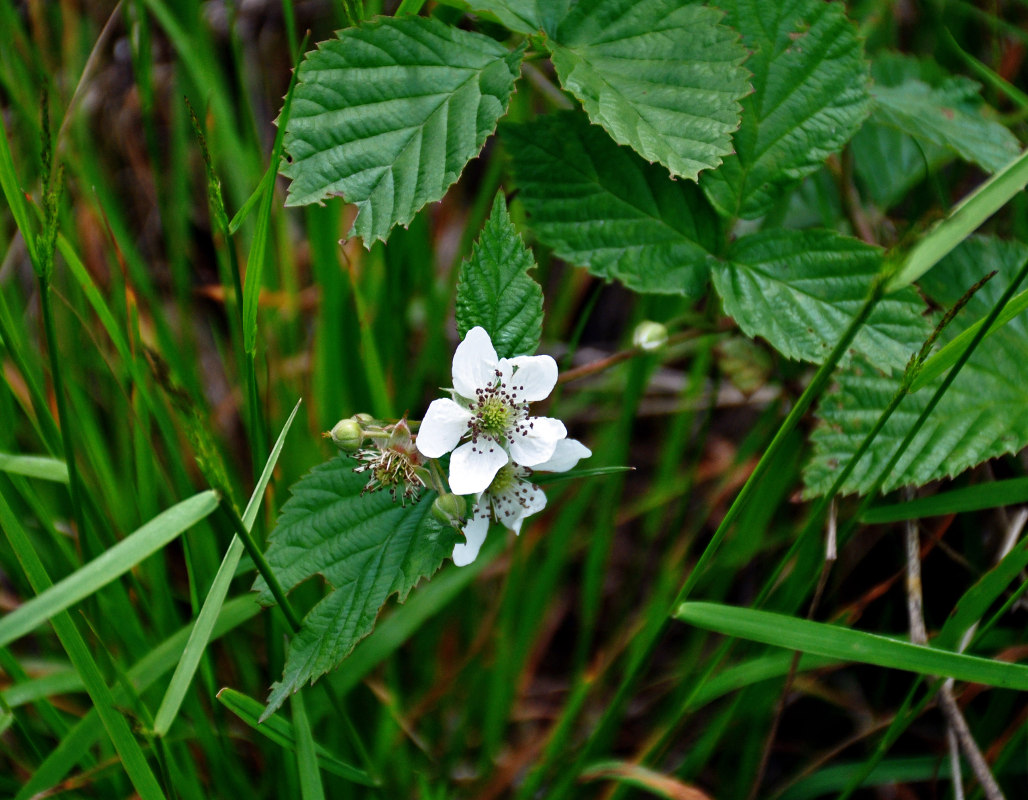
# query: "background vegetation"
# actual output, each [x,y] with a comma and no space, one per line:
[546,669]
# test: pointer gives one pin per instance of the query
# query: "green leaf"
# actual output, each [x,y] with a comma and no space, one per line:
[366,547]
[810,84]
[662,76]
[948,117]
[602,207]
[799,290]
[834,641]
[389,113]
[495,291]
[983,415]
[525,16]
[922,118]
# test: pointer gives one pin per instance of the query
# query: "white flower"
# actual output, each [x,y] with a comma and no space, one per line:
[489,409]
[510,498]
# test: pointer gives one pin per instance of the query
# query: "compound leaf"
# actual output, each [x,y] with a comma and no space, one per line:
[800,289]
[495,290]
[389,113]
[810,82]
[984,414]
[662,76]
[365,547]
[602,207]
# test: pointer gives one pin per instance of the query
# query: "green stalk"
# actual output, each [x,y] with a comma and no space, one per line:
[263,567]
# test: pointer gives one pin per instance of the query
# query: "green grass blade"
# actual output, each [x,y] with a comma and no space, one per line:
[201,633]
[62,681]
[306,758]
[282,733]
[977,207]
[979,497]
[948,355]
[113,563]
[117,727]
[143,674]
[42,467]
[844,644]
[16,200]
[261,234]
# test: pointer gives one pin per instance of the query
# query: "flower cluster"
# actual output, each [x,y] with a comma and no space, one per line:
[495,444]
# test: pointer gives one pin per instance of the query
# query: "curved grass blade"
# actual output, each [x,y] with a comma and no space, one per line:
[212,604]
[833,641]
[281,732]
[116,561]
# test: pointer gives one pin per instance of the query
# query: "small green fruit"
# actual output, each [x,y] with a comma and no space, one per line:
[347,435]
[449,509]
[649,335]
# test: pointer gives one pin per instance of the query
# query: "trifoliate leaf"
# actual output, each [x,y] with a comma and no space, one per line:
[525,16]
[495,291]
[662,76]
[388,114]
[799,290]
[810,84]
[983,415]
[365,547]
[602,207]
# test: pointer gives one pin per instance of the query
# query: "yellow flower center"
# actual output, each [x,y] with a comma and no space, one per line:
[495,416]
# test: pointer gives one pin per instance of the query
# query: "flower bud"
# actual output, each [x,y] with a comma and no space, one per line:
[362,418]
[649,335]
[347,435]
[449,509]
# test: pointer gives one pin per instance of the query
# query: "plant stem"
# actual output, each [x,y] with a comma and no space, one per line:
[261,563]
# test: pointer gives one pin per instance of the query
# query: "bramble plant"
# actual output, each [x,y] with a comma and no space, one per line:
[766,197]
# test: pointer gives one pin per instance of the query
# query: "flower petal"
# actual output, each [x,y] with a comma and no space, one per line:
[474,534]
[474,465]
[535,377]
[474,363]
[566,454]
[535,440]
[444,423]
[520,501]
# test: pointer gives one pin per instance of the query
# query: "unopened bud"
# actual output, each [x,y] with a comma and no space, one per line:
[347,435]
[649,335]
[449,509]
[362,418]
